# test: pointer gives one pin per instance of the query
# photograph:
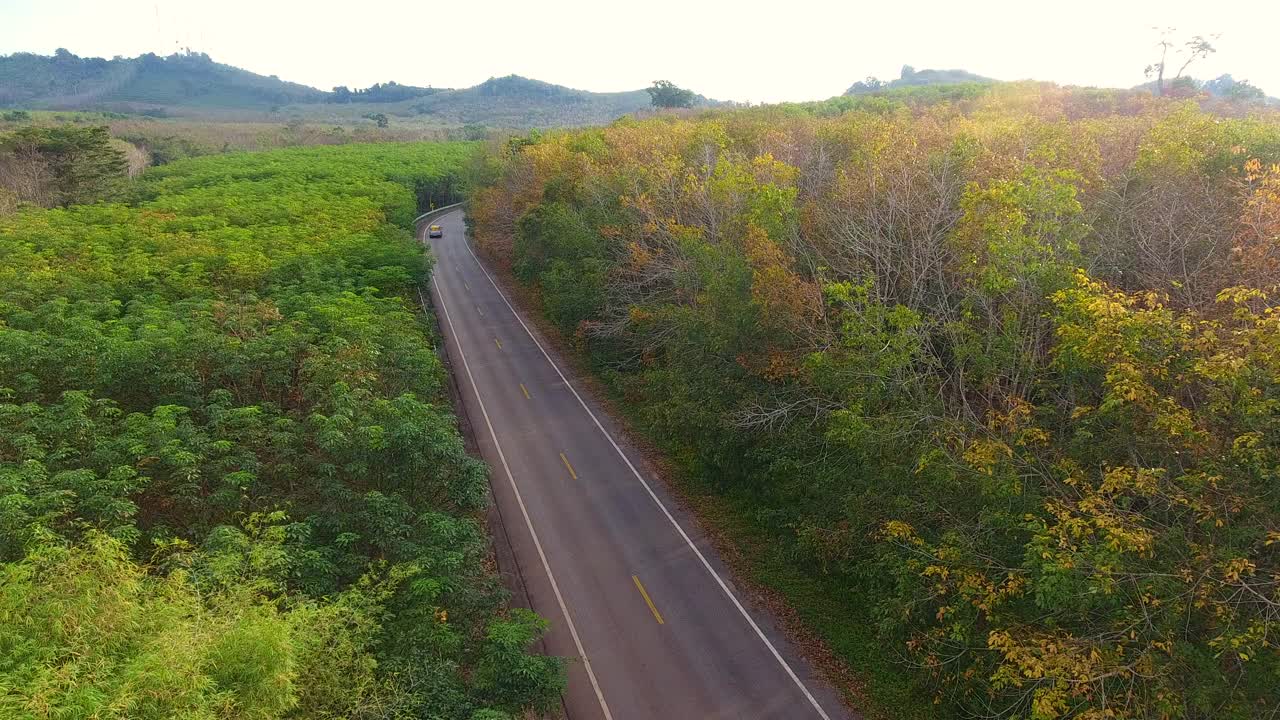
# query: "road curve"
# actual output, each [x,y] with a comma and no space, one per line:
[634,594]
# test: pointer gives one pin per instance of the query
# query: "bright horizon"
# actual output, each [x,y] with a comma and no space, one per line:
[739,51]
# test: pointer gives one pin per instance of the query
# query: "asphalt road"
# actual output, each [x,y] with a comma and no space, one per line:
[634,595]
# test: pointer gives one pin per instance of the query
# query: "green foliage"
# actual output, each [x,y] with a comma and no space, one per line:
[225,450]
[552,232]
[665,94]
[506,674]
[61,165]
[87,633]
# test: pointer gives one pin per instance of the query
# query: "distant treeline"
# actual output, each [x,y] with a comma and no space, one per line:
[378,93]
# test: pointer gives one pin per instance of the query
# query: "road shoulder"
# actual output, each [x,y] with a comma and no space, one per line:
[503,555]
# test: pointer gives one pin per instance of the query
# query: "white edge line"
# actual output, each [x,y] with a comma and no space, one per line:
[719,581]
[542,555]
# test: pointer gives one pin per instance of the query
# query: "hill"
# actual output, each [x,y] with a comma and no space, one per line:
[911,77]
[515,101]
[65,81]
[505,102]
[194,85]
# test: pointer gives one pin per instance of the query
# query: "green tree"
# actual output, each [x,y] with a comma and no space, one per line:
[1232,89]
[665,94]
[62,165]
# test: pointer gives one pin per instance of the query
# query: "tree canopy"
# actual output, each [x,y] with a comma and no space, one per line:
[61,165]
[230,481]
[665,94]
[990,378]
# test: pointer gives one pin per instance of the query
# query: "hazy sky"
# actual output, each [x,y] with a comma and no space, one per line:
[743,50]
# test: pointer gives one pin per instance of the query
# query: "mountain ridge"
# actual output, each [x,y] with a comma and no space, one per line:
[65,81]
[1224,86]
[193,84]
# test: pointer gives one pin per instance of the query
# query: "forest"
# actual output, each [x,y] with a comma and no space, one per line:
[989,380]
[231,484]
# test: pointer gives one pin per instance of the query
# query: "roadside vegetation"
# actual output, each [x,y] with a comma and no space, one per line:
[231,485]
[990,377]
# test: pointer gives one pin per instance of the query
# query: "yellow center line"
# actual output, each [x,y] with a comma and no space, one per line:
[648,601]
[497,342]
[572,474]
[524,390]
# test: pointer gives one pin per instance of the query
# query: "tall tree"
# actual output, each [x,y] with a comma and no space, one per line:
[61,165]
[1197,48]
[665,94]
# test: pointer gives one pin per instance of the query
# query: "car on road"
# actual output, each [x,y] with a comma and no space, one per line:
[435,231]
